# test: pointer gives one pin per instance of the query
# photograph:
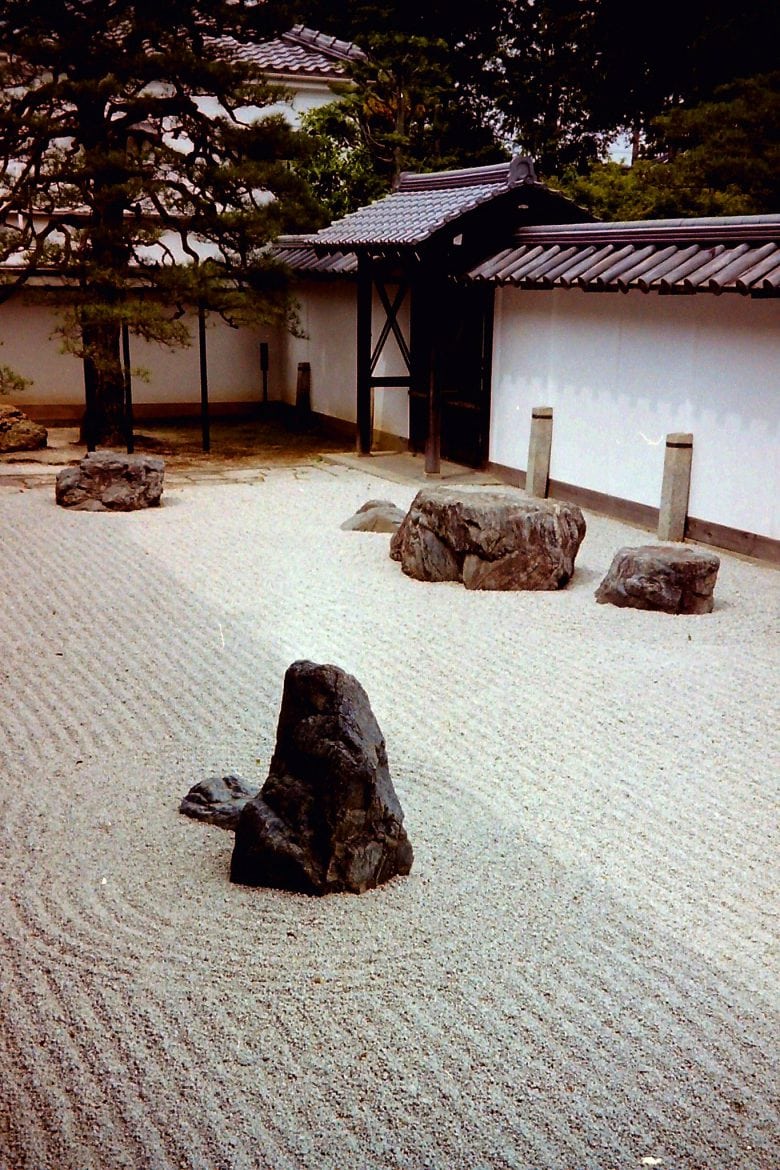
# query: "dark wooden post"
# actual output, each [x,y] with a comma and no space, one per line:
[264,369]
[128,389]
[90,403]
[430,323]
[204,381]
[303,397]
[433,441]
[363,410]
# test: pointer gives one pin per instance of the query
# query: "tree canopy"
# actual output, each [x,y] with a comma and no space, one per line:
[563,80]
[131,166]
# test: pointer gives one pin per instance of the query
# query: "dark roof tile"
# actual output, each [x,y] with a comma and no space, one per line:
[422,205]
[727,254]
[301,51]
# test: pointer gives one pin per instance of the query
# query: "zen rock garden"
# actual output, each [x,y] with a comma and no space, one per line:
[327,819]
[105,481]
[488,540]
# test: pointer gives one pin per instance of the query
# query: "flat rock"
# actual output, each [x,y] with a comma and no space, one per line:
[218,800]
[18,432]
[489,540]
[375,516]
[678,579]
[327,818]
[105,481]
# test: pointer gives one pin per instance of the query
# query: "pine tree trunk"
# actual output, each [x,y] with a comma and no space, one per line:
[104,418]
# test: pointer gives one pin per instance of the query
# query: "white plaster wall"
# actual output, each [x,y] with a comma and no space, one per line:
[301,94]
[302,98]
[621,372]
[327,317]
[326,313]
[30,347]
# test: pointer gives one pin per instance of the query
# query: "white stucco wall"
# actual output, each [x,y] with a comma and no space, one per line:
[327,317]
[30,347]
[301,94]
[621,372]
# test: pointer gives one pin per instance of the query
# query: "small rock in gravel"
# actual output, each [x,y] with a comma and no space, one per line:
[218,800]
[108,482]
[18,432]
[375,516]
[678,580]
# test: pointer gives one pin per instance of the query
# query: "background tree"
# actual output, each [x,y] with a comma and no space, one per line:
[689,86]
[720,157]
[419,99]
[125,167]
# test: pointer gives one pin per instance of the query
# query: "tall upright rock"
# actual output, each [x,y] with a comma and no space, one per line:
[327,818]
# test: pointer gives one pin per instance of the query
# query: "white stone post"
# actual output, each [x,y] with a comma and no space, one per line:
[673,512]
[539,446]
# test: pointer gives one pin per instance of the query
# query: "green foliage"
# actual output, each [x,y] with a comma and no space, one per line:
[339,168]
[556,79]
[721,157]
[11,382]
[419,99]
[116,175]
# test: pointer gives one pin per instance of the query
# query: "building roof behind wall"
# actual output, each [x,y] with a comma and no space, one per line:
[424,204]
[302,52]
[728,254]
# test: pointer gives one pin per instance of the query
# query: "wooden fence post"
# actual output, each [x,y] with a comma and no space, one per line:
[303,397]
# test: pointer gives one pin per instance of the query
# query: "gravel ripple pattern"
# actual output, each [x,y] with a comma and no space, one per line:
[580,973]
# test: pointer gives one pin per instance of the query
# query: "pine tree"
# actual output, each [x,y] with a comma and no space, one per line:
[128,168]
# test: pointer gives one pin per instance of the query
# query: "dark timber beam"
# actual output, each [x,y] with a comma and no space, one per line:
[364,298]
[430,330]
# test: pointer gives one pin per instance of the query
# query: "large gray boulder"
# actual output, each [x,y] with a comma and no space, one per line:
[18,432]
[105,481]
[676,579]
[489,540]
[219,800]
[327,818]
[375,516]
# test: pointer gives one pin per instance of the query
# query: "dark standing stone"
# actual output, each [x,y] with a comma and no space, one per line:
[18,432]
[108,482]
[327,818]
[489,540]
[676,580]
[218,800]
[375,516]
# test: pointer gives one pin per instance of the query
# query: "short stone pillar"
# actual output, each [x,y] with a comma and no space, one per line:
[676,487]
[537,476]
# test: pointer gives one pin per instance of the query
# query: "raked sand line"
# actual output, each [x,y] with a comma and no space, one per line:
[579,970]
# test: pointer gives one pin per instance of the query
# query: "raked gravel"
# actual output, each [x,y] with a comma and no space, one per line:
[580,972]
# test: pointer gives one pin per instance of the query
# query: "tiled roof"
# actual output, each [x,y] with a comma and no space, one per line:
[301,51]
[730,254]
[298,254]
[422,205]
